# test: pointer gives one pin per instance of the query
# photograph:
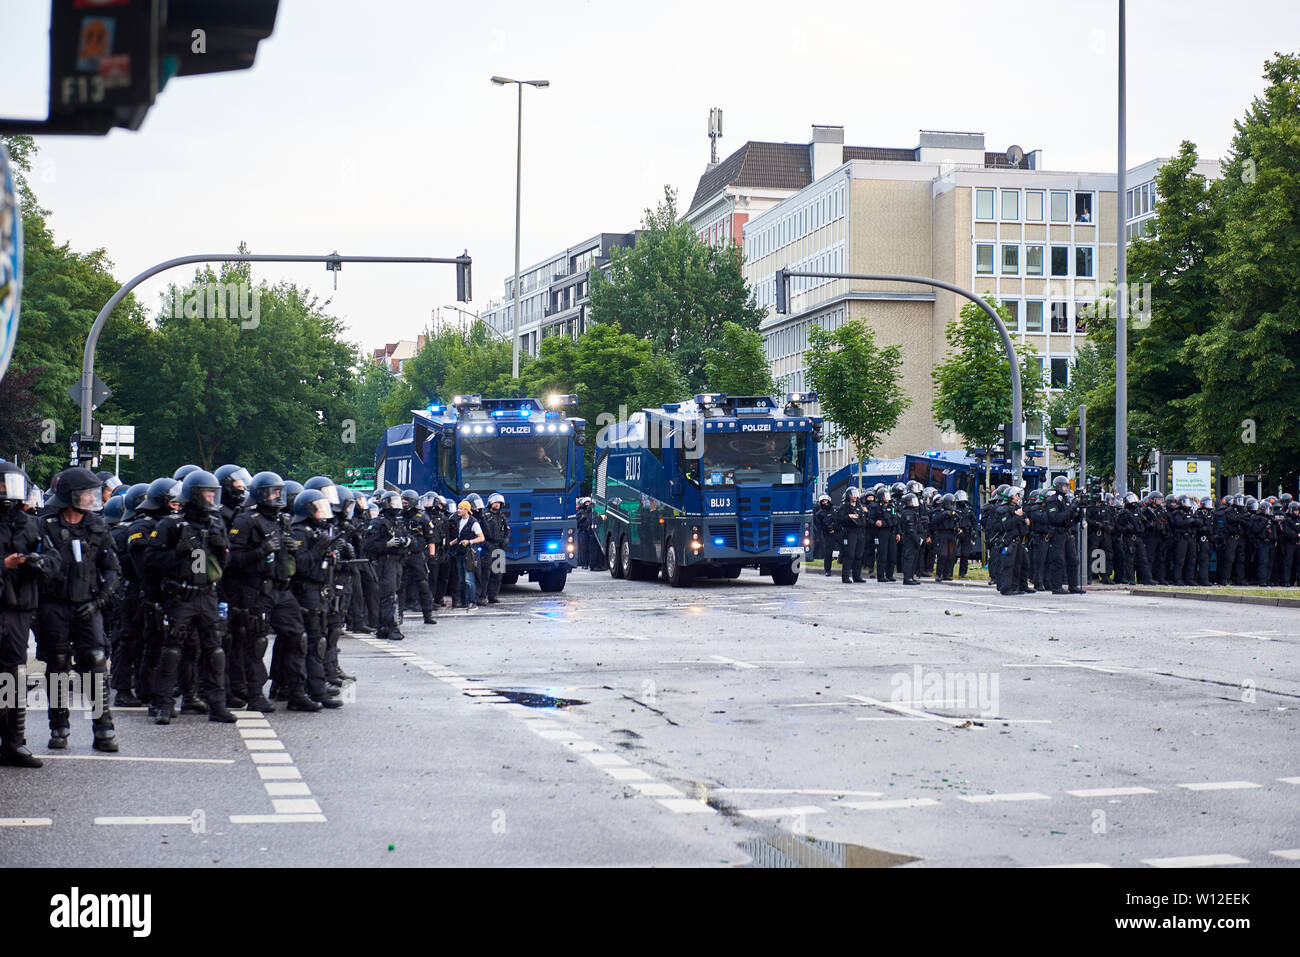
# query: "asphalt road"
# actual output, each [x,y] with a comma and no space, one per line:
[729,723]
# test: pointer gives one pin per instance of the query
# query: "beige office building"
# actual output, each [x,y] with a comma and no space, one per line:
[1041,241]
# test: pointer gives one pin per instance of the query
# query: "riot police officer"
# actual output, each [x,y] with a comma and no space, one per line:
[72,602]
[386,544]
[824,532]
[492,559]
[851,520]
[415,571]
[159,501]
[29,559]
[912,538]
[943,526]
[262,550]
[234,480]
[314,559]
[189,551]
[967,539]
[1013,527]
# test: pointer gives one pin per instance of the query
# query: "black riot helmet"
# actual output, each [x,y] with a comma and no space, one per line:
[184,470]
[200,492]
[108,480]
[410,499]
[1061,484]
[960,496]
[14,486]
[947,499]
[311,506]
[161,494]
[897,489]
[325,485]
[390,502]
[78,488]
[823,498]
[910,500]
[266,491]
[850,494]
[235,481]
[132,499]
[1252,503]
[291,490]
[114,509]
[1131,499]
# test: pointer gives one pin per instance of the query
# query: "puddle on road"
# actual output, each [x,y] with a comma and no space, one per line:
[791,850]
[533,699]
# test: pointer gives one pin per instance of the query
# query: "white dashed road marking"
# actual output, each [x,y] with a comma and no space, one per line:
[1220,786]
[991,798]
[769,812]
[888,805]
[25,821]
[1109,792]
[1198,860]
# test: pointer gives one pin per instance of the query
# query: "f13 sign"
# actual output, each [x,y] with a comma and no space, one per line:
[11,261]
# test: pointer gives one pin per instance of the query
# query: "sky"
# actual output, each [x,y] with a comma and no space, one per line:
[370,126]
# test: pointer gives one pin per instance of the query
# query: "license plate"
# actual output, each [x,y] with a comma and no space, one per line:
[791,550]
[550,557]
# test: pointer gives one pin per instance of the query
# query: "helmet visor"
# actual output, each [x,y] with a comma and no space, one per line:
[209,498]
[87,499]
[272,495]
[331,493]
[319,509]
[13,486]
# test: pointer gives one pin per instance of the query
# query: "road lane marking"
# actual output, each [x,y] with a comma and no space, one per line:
[165,819]
[1290,855]
[910,712]
[1089,864]
[1001,607]
[1289,780]
[1196,860]
[603,759]
[686,806]
[271,757]
[295,806]
[261,744]
[127,757]
[279,774]
[775,812]
[25,821]
[820,791]
[277,819]
[252,723]
[1220,786]
[991,798]
[1109,792]
[887,805]
[286,788]
[247,733]
[627,774]
[656,789]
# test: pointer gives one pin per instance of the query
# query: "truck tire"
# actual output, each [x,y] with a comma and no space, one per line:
[675,573]
[612,551]
[553,581]
[784,575]
[626,563]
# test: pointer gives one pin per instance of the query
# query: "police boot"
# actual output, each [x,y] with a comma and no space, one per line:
[13,731]
[329,700]
[220,713]
[299,701]
[236,701]
[105,734]
[191,703]
[278,693]
[125,699]
[60,729]
[429,619]
[259,702]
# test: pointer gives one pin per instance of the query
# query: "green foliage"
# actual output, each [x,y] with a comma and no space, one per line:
[972,387]
[737,365]
[612,373]
[1248,362]
[374,385]
[857,383]
[675,291]
[1092,383]
[453,361]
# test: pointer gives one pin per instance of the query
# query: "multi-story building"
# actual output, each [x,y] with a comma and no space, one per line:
[555,293]
[393,356]
[1140,200]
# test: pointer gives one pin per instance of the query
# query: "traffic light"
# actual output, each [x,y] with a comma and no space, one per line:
[1070,446]
[463,293]
[109,59]
[782,291]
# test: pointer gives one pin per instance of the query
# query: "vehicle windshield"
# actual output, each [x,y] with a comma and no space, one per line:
[768,458]
[493,463]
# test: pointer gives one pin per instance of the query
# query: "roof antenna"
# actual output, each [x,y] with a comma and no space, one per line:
[715,133]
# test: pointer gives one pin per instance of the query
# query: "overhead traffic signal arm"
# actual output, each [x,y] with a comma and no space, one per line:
[1069,441]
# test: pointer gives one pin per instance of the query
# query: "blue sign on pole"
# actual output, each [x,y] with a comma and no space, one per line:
[11,261]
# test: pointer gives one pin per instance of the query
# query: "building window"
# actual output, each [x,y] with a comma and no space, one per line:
[1060,317]
[1033,260]
[1034,316]
[1060,260]
[1011,204]
[1011,260]
[1083,261]
[983,204]
[1060,207]
[1129,204]
[1082,312]
[1060,372]
[984,259]
[1083,207]
[1013,314]
[1034,205]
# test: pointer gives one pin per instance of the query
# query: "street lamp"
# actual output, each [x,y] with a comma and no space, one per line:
[519,160]
[477,318]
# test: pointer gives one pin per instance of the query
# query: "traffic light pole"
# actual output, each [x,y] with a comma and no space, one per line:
[1084,566]
[333,261]
[1015,454]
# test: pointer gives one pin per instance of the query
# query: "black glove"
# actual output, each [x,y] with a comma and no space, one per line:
[86,610]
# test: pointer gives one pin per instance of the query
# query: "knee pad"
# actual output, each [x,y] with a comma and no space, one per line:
[217,661]
[259,647]
[170,659]
[320,648]
[302,643]
[57,661]
[97,660]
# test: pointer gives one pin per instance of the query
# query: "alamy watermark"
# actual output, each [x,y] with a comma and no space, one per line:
[218,300]
[970,692]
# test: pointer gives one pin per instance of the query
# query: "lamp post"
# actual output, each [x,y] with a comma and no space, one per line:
[1121,276]
[519,160]
[477,318]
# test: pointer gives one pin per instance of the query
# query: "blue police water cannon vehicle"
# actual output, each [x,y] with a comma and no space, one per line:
[529,451]
[707,487]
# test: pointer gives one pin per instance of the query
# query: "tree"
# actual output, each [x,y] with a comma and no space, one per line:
[454,361]
[737,365]
[972,387]
[857,383]
[374,385]
[675,291]
[1248,362]
[1092,378]
[612,373]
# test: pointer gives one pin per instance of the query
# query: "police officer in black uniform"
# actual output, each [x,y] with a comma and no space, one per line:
[851,519]
[159,501]
[415,571]
[823,523]
[314,559]
[234,480]
[885,523]
[29,559]
[189,551]
[943,527]
[492,557]
[386,544]
[71,607]
[911,530]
